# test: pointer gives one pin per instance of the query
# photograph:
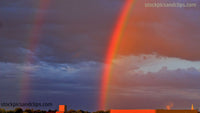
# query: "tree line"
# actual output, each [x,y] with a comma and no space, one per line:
[20,110]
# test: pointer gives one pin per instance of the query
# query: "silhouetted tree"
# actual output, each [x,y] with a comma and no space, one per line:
[100,111]
[10,111]
[2,110]
[86,112]
[71,111]
[28,110]
[108,111]
[18,110]
[80,111]
[37,111]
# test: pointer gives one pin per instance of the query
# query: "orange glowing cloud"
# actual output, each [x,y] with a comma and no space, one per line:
[161,30]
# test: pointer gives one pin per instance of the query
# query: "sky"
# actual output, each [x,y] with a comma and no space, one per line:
[54,51]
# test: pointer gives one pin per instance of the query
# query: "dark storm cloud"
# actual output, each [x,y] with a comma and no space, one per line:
[69,31]
[78,85]
[78,77]
[74,84]
[74,31]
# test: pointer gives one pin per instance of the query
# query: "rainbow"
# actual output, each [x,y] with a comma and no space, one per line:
[32,44]
[112,49]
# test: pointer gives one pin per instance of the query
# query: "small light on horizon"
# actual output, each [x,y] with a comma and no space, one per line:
[192,107]
[168,107]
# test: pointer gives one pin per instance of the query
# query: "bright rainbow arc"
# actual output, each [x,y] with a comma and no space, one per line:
[112,49]
[32,46]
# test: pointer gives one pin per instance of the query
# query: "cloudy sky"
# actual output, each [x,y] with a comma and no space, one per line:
[54,51]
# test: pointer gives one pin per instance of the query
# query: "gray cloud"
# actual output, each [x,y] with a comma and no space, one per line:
[59,50]
[78,84]
[75,31]
[155,90]
[180,78]
[74,84]
[66,31]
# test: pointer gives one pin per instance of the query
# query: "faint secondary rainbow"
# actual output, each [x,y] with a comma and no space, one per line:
[112,48]
[32,44]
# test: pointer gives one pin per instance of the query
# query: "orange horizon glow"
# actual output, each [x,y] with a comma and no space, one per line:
[113,44]
[133,111]
[152,111]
